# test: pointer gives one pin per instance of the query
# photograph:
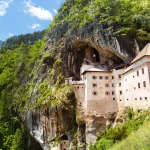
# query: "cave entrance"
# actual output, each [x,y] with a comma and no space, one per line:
[64,137]
[92,55]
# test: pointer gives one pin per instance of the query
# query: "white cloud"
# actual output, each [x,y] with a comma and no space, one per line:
[11,34]
[3,5]
[34,26]
[55,11]
[38,12]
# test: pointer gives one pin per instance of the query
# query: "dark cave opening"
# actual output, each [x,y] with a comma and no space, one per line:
[64,137]
[84,51]
[92,55]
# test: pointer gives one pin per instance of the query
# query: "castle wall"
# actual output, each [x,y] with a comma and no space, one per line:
[97,92]
[116,87]
[79,90]
[137,86]
[148,64]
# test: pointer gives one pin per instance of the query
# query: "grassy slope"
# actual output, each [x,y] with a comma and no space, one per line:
[139,140]
[123,136]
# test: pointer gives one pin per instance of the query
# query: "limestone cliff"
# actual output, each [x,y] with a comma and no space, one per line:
[57,120]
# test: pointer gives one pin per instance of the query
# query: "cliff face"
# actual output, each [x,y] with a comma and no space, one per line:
[58,121]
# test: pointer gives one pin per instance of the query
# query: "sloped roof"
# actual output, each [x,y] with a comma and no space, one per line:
[144,52]
[96,69]
[128,69]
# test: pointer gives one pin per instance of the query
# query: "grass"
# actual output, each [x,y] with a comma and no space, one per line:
[139,140]
[120,134]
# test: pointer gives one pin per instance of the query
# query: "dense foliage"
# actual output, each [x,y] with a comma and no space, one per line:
[21,57]
[125,16]
[114,135]
[29,38]
[15,68]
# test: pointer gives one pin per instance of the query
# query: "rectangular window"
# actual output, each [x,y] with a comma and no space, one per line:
[101,77]
[113,93]
[145,98]
[142,70]
[106,85]
[94,85]
[106,93]
[120,92]
[112,84]
[95,93]
[112,77]
[138,85]
[114,99]
[144,84]
[119,84]
[106,77]
[137,73]
[94,77]
[119,76]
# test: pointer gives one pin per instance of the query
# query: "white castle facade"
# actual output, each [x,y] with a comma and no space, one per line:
[107,91]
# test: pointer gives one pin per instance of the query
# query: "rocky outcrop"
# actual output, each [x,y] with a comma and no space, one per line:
[53,126]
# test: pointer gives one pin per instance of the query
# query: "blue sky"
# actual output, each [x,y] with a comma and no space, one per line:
[26,16]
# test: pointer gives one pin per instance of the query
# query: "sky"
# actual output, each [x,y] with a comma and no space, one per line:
[26,16]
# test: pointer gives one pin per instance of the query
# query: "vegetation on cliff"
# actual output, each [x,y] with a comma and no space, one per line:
[126,17]
[31,76]
[16,66]
[111,138]
[20,68]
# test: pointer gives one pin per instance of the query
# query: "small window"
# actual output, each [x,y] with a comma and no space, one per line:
[84,78]
[106,77]
[112,84]
[137,73]
[134,88]
[133,76]
[94,85]
[114,99]
[125,79]
[138,85]
[95,93]
[75,87]
[82,87]
[78,87]
[140,98]
[135,98]
[119,84]
[120,100]
[145,98]
[126,89]
[100,77]
[94,77]
[127,99]
[120,92]
[142,70]
[106,85]
[112,77]
[119,76]
[144,84]
[106,93]
[113,93]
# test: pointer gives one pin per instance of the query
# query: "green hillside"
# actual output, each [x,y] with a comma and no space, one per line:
[133,134]
[136,140]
